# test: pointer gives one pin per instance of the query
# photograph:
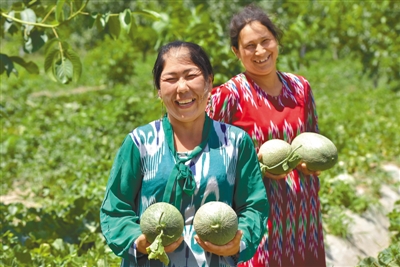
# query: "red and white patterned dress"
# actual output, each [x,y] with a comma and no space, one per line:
[294,234]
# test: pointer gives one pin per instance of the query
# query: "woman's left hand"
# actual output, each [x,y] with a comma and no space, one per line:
[229,249]
[302,167]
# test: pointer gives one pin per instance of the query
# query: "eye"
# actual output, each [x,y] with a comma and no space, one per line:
[170,79]
[266,41]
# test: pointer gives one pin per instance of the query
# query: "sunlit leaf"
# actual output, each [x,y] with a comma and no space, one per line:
[64,70]
[28,15]
[59,10]
[148,13]
[125,19]
[35,41]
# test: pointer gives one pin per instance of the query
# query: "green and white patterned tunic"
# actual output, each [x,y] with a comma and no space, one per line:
[225,170]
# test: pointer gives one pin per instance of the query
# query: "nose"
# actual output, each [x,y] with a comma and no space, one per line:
[182,85]
[259,49]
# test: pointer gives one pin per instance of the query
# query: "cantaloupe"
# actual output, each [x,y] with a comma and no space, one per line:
[216,222]
[162,224]
[316,150]
[277,157]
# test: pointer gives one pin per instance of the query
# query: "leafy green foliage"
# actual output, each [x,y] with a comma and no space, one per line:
[58,141]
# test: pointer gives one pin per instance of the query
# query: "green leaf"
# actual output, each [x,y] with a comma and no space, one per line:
[6,64]
[35,41]
[156,250]
[125,19]
[48,47]
[101,20]
[114,27]
[76,64]
[30,66]
[51,57]
[59,10]
[64,70]
[28,15]
[148,13]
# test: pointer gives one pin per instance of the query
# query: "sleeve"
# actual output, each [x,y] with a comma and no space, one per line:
[118,219]
[310,109]
[222,103]
[250,200]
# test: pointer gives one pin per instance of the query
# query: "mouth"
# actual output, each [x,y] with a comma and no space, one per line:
[185,102]
[262,60]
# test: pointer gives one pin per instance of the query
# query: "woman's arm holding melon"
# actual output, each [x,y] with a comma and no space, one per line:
[118,220]
[302,167]
[229,249]
[250,199]
[271,175]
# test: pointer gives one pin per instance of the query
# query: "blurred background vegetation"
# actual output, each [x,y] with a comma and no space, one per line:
[76,78]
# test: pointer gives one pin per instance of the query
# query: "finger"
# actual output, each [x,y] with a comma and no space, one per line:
[173,246]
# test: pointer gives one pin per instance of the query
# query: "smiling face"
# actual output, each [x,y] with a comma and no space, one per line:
[183,88]
[258,49]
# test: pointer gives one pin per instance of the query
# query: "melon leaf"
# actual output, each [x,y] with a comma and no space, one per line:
[156,250]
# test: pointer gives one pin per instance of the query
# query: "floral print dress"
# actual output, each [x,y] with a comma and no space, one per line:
[294,230]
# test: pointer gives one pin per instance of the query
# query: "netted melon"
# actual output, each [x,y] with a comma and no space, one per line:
[162,224]
[216,222]
[277,157]
[316,150]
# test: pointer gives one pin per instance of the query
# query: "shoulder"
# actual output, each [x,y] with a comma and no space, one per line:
[229,131]
[143,132]
[294,82]
[233,85]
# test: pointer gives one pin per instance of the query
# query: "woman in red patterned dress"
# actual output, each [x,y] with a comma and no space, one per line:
[271,104]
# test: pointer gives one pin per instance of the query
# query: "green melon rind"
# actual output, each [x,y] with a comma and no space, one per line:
[162,216]
[316,150]
[216,222]
[278,157]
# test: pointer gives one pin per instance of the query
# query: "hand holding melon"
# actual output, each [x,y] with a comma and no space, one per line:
[316,151]
[216,226]
[162,224]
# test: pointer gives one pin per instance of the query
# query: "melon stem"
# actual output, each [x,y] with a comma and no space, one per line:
[215,226]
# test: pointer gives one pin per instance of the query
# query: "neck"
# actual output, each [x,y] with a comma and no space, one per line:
[269,83]
[187,135]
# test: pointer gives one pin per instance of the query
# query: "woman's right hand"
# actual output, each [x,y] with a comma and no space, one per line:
[142,244]
[271,175]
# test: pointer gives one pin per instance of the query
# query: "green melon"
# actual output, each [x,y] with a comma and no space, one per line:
[316,150]
[277,157]
[216,222]
[162,216]
[162,224]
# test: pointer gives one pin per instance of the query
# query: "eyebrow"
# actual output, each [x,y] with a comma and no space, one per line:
[185,71]
[261,38]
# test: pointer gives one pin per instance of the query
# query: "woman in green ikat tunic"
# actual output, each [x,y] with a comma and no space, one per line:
[186,159]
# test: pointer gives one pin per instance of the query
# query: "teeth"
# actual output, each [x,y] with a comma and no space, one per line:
[185,101]
[263,60]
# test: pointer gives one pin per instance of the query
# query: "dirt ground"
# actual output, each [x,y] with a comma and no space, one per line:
[368,234]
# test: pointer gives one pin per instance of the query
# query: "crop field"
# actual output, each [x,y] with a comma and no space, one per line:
[58,141]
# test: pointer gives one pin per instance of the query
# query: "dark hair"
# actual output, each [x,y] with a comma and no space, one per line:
[247,15]
[197,55]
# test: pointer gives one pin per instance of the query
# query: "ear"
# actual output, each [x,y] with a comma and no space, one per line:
[159,93]
[235,51]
